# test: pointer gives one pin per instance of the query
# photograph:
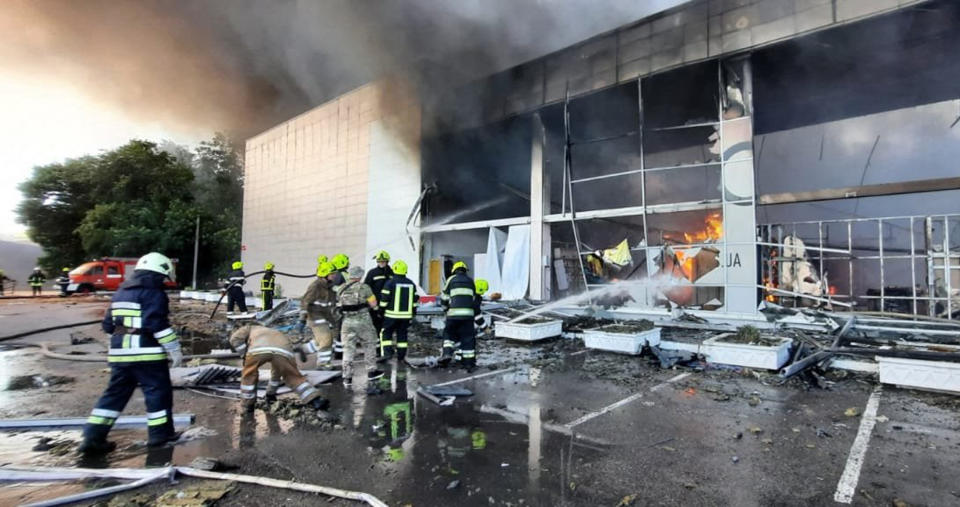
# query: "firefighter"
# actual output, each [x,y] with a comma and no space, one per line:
[64,281]
[3,280]
[141,342]
[459,300]
[261,345]
[235,281]
[340,265]
[36,281]
[268,286]
[354,300]
[318,305]
[398,302]
[481,287]
[376,278]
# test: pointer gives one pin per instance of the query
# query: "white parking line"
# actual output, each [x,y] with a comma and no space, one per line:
[851,473]
[628,399]
[480,375]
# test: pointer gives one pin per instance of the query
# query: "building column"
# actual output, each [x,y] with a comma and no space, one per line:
[539,206]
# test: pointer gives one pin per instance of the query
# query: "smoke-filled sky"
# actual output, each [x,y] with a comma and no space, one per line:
[77,77]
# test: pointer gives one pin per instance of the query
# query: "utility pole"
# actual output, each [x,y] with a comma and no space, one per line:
[196,251]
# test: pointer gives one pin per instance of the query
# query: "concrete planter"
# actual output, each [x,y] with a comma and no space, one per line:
[625,343]
[932,375]
[750,356]
[529,332]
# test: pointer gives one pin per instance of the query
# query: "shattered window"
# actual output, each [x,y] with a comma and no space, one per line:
[685,227]
[617,192]
[689,184]
[685,96]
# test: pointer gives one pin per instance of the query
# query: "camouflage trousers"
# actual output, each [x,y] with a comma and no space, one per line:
[358,331]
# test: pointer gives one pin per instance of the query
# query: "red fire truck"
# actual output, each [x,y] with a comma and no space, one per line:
[107,274]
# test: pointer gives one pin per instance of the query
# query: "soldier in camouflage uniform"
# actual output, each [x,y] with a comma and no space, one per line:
[354,300]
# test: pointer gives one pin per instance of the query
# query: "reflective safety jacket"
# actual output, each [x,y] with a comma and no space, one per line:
[318,303]
[458,297]
[236,275]
[269,282]
[377,277]
[36,279]
[138,321]
[258,340]
[398,298]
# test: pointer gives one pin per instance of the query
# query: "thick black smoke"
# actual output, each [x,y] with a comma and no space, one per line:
[243,65]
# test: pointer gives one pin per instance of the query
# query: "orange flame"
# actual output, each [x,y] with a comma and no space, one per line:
[686,264]
[712,231]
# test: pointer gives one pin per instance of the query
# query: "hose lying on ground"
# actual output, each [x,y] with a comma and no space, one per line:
[215,308]
[45,329]
[45,474]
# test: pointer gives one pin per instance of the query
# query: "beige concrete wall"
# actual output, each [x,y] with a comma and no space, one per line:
[306,181]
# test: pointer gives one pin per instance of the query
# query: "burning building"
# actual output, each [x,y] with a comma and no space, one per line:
[719,154]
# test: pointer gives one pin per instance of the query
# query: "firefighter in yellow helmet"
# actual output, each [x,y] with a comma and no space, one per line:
[376,278]
[340,264]
[459,299]
[317,311]
[398,302]
[268,285]
[235,281]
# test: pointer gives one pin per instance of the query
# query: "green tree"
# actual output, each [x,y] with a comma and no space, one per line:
[135,199]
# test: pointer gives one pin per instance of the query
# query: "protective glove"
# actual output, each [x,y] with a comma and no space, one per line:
[176,356]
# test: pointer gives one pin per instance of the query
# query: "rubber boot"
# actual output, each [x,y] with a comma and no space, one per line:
[89,446]
[169,440]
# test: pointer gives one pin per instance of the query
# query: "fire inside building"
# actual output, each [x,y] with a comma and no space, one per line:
[713,157]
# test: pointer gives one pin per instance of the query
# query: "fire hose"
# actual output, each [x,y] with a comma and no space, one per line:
[217,307]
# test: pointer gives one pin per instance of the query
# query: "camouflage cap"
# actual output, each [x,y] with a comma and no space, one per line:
[356,272]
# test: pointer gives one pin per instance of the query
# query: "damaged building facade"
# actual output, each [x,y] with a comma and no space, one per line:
[714,156]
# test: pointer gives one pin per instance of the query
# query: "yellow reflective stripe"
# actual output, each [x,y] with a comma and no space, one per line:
[401,345]
[126,342]
[167,339]
[385,291]
[462,291]
[134,359]
[157,422]
[396,315]
[118,312]
[457,312]
[106,421]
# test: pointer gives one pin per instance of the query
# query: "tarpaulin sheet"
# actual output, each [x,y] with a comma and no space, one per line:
[487,265]
[515,275]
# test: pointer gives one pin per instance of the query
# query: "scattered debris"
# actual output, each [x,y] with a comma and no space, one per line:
[200,495]
[21,382]
[852,412]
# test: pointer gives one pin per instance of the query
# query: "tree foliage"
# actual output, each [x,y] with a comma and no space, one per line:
[136,199]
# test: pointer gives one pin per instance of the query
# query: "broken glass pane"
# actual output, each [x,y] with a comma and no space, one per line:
[685,146]
[688,95]
[689,184]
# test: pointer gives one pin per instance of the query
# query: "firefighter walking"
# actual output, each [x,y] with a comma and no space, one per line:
[268,286]
[341,263]
[317,306]
[141,341]
[398,302]
[260,346]
[64,282]
[459,300]
[354,300]
[376,278]
[235,281]
[36,281]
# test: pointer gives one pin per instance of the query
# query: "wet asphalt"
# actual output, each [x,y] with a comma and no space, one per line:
[586,428]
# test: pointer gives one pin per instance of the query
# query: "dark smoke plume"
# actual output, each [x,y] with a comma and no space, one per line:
[243,65]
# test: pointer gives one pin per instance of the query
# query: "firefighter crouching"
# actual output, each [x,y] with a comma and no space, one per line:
[141,341]
[458,298]
[268,286]
[398,302]
[261,345]
[354,300]
[317,309]
[235,296]
[376,278]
